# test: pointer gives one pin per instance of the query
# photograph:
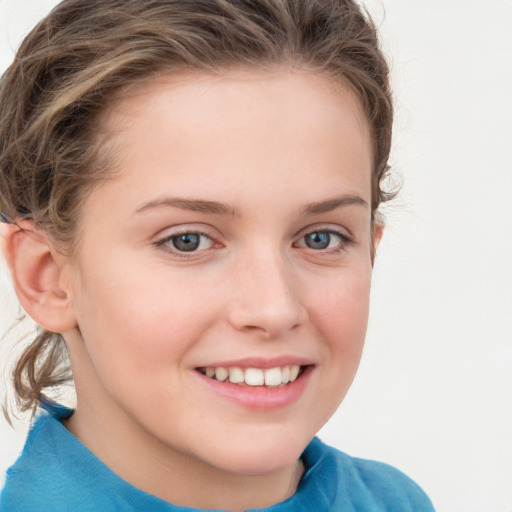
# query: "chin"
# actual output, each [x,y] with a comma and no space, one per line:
[258,454]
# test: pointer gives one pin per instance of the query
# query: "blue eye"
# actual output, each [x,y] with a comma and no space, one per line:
[318,240]
[321,240]
[188,242]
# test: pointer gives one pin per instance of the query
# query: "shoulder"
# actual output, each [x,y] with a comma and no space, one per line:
[40,479]
[34,471]
[55,472]
[365,484]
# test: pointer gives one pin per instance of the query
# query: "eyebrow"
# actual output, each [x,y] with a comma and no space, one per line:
[213,207]
[334,203]
[193,205]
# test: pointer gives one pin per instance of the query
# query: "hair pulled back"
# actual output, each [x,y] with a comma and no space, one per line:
[74,62]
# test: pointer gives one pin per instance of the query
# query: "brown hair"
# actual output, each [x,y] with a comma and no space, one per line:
[71,65]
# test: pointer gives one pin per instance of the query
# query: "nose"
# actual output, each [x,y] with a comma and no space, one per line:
[266,298]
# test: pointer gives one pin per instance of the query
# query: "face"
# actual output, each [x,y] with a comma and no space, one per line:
[230,254]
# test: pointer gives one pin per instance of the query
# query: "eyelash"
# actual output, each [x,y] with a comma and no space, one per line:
[164,243]
[344,240]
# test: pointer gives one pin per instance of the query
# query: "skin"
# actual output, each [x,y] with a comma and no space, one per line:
[142,316]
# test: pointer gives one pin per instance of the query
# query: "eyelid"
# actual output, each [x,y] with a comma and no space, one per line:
[173,235]
[181,229]
[328,228]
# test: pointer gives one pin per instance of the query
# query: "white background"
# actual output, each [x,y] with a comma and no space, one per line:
[434,392]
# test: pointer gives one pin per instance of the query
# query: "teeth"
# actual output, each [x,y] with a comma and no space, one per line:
[236,375]
[221,374]
[272,377]
[254,377]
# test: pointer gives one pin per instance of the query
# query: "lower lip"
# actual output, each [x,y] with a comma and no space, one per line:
[260,397]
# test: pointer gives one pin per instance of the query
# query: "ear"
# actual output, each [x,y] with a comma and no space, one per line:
[39,276]
[377,232]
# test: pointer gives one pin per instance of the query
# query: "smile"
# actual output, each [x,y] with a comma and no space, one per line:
[258,384]
[268,377]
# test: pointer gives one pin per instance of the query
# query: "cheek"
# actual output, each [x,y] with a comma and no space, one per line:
[340,319]
[342,313]
[140,325]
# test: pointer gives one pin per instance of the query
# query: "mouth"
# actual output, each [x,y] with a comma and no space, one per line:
[279,376]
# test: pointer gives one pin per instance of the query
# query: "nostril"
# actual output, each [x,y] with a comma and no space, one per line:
[268,321]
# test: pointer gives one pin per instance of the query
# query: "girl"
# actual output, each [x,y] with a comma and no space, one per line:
[190,194]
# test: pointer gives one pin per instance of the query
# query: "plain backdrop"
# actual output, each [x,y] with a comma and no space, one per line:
[434,391]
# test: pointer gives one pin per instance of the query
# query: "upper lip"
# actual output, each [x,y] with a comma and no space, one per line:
[260,362]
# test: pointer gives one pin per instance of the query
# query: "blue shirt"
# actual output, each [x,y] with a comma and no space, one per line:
[56,473]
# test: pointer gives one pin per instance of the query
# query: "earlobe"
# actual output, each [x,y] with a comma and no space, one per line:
[37,274]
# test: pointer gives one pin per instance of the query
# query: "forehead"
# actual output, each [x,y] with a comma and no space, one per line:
[241,128]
